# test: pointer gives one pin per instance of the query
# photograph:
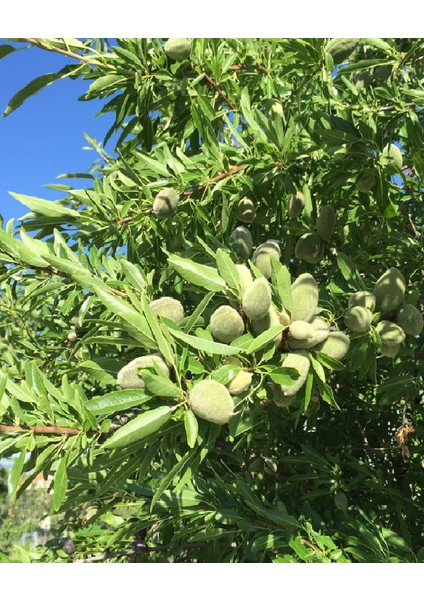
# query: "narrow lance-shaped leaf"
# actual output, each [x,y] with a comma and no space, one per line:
[36,85]
[205,345]
[162,342]
[227,269]
[60,483]
[349,272]
[160,386]
[140,427]
[166,482]
[201,275]
[191,427]
[47,208]
[118,401]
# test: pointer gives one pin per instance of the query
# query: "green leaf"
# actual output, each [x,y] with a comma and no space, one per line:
[36,85]
[166,482]
[205,345]
[318,368]
[160,386]
[47,208]
[201,275]
[227,269]
[60,483]
[349,272]
[154,165]
[16,470]
[282,278]
[140,427]
[191,321]
[380,44]
[264,338]
[191,427]
[284,375]
[162,342]
[106,83]
[117,401]
[6,49]
[19,251]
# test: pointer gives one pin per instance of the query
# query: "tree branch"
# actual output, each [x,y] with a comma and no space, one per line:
[69,53]
[220,92]
[232,171]
[143,549]
[40,429]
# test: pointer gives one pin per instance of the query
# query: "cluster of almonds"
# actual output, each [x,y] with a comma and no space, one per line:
[303,331]
[387,299]
[310,246]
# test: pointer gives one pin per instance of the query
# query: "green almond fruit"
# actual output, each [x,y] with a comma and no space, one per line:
[211,401]
[298,360]
[281,399]
[295,204]
[245,277]
[168,307]
[365,182]
[341,48]
[129,377]
[242,241]
[262,257]
[309,248]
[336,345]
[284,318]
[177,48]
[301,330]
[165,203]
[304,292]
[320,335]
[319,323]
[358,319]
[274,108]
[271,318]
[393,152]
[389,291]
[410,319]
[246,211]
[390,333]
[240,383]
[257,299]
[326,222]
[226,324]
[389,350]
[362,298]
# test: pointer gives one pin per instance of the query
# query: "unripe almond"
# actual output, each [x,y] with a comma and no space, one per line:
[226,324]
[165,203]
[257,299]
[168,307]
[211,400]
[177,48]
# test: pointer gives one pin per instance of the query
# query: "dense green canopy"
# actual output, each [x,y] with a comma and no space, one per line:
[310,447]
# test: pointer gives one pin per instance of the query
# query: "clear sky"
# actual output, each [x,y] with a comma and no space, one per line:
[43,138]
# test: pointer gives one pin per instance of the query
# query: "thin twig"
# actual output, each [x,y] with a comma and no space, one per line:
[411,222]
[40,429]
[220,92]
[142,549]
[232,171]
[83,59]
[244,66]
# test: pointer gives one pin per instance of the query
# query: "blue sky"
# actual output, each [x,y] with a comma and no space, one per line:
[43,137]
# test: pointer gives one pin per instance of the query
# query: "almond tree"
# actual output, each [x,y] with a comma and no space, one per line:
[212,339]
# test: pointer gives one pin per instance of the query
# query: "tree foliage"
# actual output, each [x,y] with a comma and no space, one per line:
[311,131]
